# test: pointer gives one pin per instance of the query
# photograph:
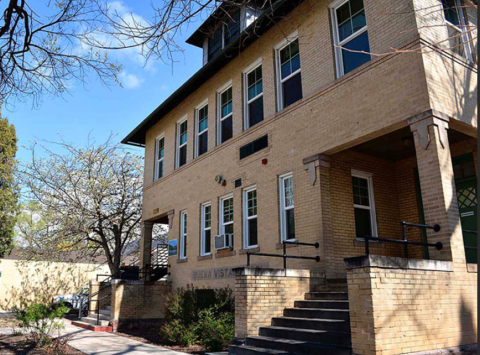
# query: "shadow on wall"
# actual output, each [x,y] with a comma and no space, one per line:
[43,280]
[467,323]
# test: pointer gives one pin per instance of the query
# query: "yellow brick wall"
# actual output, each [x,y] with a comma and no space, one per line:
[398,311]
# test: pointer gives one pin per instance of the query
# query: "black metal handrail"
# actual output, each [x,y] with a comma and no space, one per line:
[436,228]
[285,256]
[98,305]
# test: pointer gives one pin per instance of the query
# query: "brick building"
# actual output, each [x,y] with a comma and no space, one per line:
[295,130]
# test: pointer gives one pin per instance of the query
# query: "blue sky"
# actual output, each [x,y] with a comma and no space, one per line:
[100,109]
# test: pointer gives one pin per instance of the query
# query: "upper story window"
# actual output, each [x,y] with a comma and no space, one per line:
[459,39]
[206,231]
[182,138]
[225,122]
[159,157]
[289,73]
[232,28]
[202,130]
[350,35]
[254,111]
[364,205]
[287,208]
[215,44]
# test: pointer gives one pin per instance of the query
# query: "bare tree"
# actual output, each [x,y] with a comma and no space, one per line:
[92,196]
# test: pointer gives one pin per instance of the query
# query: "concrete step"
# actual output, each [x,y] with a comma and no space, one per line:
[315,336]
[102,316]
[296,346]
[327,295]
[317,313]
[338,325]
[93,321]
[250,350]
[330,304]
[93,328]
[108,308]
[106,312]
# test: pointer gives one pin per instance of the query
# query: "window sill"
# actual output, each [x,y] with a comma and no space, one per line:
[225,255]
[205,257]
[252,250]
[280,246]
[375,245]
[472,268]
[182,261]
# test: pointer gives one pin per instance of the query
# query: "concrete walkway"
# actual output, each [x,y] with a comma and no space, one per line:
[96,343]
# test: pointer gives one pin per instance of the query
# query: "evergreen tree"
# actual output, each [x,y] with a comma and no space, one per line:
[8,186]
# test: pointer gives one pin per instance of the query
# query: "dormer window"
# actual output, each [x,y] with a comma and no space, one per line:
[215,44]
[232,28]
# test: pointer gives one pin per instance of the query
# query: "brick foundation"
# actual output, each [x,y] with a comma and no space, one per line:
[400,306]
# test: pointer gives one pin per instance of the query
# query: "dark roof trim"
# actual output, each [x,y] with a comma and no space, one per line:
[266,21]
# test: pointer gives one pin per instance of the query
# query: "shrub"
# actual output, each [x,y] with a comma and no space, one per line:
[40,320]
[175,333]
[216,330]
[203,316]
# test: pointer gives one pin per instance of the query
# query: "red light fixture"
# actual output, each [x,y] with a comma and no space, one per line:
[264,161]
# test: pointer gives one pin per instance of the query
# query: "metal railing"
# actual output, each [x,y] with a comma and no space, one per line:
[285,256]
[436,228]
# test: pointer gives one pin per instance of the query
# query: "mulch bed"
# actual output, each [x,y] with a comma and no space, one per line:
[151,336]
[19,345]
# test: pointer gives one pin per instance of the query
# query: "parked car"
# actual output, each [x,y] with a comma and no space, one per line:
[75,301]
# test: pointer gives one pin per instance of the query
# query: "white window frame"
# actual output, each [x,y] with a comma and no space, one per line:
[283,208]
[197,126]
[465,37]
[336,36]
[204,229]
[373,214]
[221,214]
[177,157]
[159,160]
[278,68]
[183,236]
[220,119]
[247,102]
[246,218]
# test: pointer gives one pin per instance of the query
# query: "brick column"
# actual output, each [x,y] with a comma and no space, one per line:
[146,244]
[438,184]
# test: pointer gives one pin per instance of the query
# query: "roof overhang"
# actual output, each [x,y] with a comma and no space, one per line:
[265,22]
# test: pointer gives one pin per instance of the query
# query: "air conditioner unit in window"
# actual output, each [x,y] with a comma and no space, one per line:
[223,242]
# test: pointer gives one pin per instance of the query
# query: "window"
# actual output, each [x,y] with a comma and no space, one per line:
[206,230]
[287,208]
[459,41]
[232,28]
[183,235]
[182,135]
[253,84]
[202,130]
[159,157]
[226,215]
[364,205]
[289,74]
[254,147]
[225,131]
[350,34]
[250,218]
[215,43]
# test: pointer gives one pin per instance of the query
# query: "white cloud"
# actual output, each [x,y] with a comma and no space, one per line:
[130,81]
[164,87]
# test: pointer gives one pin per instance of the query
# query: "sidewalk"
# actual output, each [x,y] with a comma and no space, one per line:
[96,343]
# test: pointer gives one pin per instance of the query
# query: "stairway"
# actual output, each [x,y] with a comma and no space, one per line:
[318,325]
[90,322]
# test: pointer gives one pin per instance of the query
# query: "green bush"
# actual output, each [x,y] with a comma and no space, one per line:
[200,316]
[216,330]
[40,319]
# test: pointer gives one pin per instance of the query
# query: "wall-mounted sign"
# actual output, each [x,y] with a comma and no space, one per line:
[468,214]
[173,247]
[221,273]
